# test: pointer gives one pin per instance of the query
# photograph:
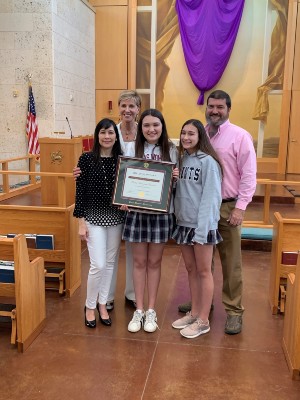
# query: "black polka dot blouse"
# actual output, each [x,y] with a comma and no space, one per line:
[94,190]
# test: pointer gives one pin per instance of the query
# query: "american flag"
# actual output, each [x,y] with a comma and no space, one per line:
[32,127]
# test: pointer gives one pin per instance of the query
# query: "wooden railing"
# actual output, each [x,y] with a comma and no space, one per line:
[268,183]
[9,192]
[61,185]
[32,159]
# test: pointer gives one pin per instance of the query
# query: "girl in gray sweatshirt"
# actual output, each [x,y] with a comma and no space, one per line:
[197,210]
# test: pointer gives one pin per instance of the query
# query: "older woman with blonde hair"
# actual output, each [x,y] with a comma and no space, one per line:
[129,104]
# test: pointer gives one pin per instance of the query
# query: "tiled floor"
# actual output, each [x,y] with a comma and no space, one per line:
[69,361]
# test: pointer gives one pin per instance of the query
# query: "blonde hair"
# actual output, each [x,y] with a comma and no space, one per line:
[128,95]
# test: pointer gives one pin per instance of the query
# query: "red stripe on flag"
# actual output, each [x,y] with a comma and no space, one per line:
[32,127]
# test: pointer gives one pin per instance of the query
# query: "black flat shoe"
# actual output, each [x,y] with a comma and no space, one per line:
[131,303]
[89,324]
[106,322]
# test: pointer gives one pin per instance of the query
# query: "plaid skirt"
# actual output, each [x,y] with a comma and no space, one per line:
[185,235]
[151,228]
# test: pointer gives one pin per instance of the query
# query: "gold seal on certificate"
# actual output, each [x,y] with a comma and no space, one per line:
[143,184]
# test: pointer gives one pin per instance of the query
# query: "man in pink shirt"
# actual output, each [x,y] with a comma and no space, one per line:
[235,148]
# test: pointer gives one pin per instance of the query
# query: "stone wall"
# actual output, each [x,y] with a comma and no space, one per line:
[54,41]
[74,67]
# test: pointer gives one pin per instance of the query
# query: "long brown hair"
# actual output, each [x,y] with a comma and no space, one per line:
[164,141]
[203,143]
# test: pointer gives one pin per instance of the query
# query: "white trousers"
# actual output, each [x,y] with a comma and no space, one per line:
[129,288]
[103,246]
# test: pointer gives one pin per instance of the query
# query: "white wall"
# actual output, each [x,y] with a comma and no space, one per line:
[74,67]
[54,41]
[25,47]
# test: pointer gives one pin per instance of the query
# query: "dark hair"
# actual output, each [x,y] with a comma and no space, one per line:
[106,123]
[220,94]
[203,143]
[163,141]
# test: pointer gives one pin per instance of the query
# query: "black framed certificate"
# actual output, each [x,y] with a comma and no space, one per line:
[143,184]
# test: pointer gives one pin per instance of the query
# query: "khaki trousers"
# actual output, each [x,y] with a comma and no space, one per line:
[231,260]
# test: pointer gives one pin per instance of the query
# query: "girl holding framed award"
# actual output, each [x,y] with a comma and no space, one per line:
[148,232]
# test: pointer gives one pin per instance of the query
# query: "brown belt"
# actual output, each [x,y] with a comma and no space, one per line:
[229,200]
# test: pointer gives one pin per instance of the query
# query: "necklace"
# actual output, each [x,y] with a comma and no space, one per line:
[153,150]
[128,133]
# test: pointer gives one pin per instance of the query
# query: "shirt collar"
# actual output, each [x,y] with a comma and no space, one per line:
[221,127]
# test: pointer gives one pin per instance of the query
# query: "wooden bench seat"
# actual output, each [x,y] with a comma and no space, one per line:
[291,327]
[286,238]
[28,291]
[57,221]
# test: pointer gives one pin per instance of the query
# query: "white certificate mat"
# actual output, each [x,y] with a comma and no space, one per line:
[143,184]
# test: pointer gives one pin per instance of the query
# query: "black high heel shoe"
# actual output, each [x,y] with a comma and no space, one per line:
[106,322]
[89,324]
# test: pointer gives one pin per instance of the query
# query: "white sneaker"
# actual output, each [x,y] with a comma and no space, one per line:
[150,323]
[137,321]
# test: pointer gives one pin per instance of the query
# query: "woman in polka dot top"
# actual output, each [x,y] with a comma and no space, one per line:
[100,222]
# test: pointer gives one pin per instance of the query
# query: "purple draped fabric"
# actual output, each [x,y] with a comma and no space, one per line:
[208,30]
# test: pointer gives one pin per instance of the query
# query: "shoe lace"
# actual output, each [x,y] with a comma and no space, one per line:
[200,323]
[137,317]
[189,314]
[150,318]
[233,321]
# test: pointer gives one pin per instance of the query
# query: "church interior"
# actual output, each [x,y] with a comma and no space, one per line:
[65,51]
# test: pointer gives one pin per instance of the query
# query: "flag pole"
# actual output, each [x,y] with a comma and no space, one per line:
[28,79]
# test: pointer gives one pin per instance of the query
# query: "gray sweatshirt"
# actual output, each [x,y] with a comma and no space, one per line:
[198,194]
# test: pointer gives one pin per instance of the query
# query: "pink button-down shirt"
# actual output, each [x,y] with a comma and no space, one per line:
[235,148]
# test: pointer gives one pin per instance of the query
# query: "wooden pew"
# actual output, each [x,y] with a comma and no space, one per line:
[57,221]
[28,292]
[286,237]
[291,327]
